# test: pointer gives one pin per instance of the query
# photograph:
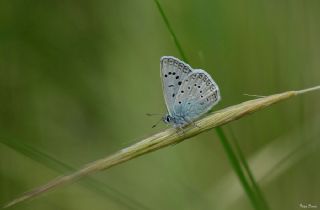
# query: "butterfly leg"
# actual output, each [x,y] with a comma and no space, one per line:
[180,131]
[189,121]
[195,124]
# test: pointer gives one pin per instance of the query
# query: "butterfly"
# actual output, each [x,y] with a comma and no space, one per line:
[188,93]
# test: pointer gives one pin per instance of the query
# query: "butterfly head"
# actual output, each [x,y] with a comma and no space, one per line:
[167,119]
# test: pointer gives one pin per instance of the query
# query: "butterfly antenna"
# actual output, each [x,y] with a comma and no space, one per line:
[157,123]
[152,114]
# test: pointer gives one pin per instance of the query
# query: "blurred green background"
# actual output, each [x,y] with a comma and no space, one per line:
[78,77]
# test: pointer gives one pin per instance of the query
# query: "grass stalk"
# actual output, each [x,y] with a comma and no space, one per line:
[162,139]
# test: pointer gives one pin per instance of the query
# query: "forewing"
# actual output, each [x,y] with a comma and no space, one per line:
[197,95]
[173,71]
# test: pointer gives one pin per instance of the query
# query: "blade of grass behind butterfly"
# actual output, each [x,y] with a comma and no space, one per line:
[90,183]
[173,35]
[235,163]
[247,169]
[232,157]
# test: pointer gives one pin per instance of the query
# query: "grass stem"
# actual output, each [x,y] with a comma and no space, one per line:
[162,139]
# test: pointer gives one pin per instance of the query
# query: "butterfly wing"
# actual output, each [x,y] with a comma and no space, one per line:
[198,93]
[173,71]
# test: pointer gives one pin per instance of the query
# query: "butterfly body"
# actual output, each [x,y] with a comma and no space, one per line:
[188,93]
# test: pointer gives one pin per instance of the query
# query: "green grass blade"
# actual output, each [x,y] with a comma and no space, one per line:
[173,35]
[235,163]
[90,183]
[232,157]
[247,169]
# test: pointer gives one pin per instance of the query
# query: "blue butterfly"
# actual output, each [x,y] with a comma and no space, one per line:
[188,93]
